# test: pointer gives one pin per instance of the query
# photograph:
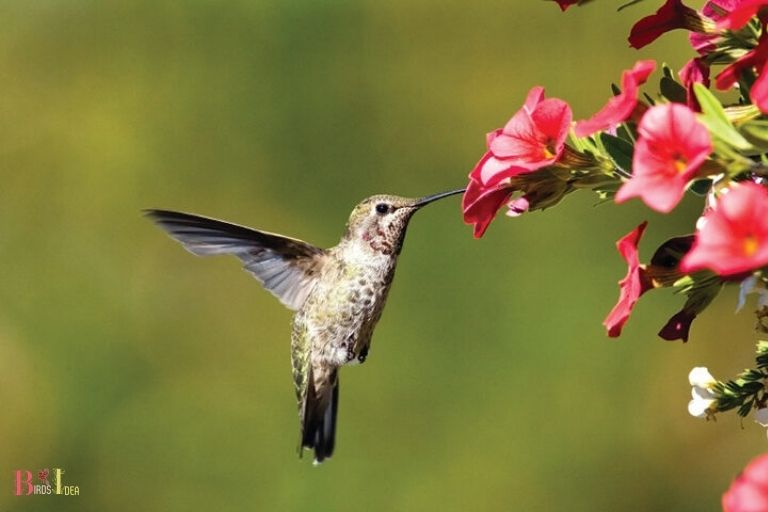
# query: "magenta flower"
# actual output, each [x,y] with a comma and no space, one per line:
[733,237]
[740,13]
[671,147]
[715,10]
[565,4]
[620,107]
[749,492]
[634,284]
[695,71]
[672,15]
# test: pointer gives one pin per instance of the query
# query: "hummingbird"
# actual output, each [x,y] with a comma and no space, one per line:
[338,294]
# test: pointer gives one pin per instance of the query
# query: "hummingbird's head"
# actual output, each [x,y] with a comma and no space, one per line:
[381,220]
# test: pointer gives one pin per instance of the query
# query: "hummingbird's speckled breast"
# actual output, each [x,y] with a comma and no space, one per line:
[345,305]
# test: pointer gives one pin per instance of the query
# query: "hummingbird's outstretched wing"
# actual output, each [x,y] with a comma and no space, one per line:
[285,266]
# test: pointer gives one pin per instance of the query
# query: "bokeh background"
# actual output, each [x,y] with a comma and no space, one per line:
[160,381]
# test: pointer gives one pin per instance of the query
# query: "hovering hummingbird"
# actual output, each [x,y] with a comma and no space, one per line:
[338,293]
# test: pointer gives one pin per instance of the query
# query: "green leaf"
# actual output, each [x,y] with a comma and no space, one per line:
[619,150]
[701,187]
[756,132]
[650,100]
[745,409]
[624,132]
[672,90]
[713,116]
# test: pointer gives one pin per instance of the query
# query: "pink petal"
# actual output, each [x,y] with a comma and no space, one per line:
[535,96]
[619,107]
[480,205]
[632,286]
[741,14]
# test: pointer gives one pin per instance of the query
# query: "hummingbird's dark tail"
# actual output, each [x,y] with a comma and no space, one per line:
[319,419]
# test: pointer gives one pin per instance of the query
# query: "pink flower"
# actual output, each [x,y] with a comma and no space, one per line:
[532,139]
[714,10]
[733,237]
[620,107]
[741,13]
[749,492]
[480,204]
[634,284]
[695,71]
[672,15]
[671,147]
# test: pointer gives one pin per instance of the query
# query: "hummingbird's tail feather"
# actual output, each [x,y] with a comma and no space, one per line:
[318,429]
[285,266]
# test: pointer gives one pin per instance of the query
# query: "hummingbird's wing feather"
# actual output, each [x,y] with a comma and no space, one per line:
[287,267]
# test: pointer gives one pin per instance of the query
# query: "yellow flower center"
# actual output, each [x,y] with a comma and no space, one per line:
[549,149]
[679,162]
[751,244]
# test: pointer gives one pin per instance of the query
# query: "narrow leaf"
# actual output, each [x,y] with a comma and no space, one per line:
[713,116]
[619,150]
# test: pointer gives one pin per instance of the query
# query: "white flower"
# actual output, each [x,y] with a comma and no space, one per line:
[703,397]
[701,378]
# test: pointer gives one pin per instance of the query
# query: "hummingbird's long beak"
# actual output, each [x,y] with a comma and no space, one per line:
[434,197]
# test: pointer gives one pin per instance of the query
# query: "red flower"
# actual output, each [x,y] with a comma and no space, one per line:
[749,492]
[620,107]
[714,10]
[741,13]
[733,238]
[695,71]
[678,327]
[565,4]
[755,58]
[634,284]
[671,147]
[673,14]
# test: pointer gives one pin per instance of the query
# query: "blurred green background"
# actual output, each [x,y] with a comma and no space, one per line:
[160,381]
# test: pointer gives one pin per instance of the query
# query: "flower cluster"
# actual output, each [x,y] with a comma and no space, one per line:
[656,149]
[659,148]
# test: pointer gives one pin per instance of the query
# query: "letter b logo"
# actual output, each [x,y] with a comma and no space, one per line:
[23,477]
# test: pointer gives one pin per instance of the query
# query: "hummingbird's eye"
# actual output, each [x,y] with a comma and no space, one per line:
[382,208]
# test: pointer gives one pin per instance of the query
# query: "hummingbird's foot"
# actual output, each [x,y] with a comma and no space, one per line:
[363,354]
